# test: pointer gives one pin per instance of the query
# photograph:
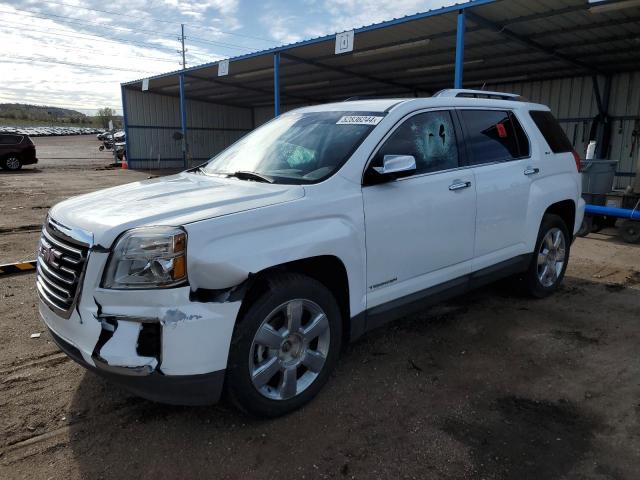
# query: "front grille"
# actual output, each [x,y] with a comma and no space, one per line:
[61,262]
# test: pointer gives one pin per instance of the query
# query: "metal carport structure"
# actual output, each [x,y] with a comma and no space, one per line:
[578,56]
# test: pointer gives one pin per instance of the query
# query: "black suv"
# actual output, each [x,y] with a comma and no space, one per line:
[15,151]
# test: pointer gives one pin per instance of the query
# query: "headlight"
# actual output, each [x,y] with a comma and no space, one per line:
[148,257]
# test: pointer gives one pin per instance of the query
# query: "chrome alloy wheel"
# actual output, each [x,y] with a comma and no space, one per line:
[289,349]
[551,257]
[12,163]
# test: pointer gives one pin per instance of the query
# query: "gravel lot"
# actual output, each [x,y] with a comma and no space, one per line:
[491,386]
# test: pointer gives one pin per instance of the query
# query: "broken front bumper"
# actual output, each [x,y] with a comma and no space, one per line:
[159,344]
[202,389]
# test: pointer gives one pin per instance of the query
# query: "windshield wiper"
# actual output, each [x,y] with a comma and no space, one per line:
[245,175]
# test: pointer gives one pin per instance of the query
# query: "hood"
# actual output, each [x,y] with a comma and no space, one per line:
[173,200]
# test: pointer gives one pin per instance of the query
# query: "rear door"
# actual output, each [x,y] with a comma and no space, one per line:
[419,229]
[499,150]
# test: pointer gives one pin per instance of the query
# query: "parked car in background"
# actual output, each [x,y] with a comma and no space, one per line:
[249,272]
[16,150]
[115,140]
[50,131]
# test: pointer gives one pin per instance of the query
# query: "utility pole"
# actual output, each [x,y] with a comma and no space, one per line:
[184,59]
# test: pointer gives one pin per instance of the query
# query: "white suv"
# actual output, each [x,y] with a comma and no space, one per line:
[251,271]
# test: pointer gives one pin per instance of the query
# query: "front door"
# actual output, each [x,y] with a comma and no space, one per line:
[419,228]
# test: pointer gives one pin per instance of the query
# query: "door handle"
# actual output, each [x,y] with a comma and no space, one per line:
[458,185]
[531,171]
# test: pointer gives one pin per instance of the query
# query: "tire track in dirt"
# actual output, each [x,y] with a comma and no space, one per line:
[22,450]
[47,359]
[24,447]
[21,229]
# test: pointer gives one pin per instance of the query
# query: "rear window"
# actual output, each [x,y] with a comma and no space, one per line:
[551,131]
[494,136]
[10,139]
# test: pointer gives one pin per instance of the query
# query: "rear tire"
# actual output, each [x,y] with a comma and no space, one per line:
[11,163]
[284,347]
[585,227]
[550,258]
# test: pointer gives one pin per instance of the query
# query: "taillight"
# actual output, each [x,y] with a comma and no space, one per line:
[576,157]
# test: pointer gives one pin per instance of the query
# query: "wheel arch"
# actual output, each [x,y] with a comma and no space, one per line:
[566,210]
[557,194]
[329,270]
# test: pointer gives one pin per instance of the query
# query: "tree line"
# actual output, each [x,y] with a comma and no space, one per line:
[17,113]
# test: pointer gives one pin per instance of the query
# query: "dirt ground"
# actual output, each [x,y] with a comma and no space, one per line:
[490,386]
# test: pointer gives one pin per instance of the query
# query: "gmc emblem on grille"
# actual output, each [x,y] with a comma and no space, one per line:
[48,254]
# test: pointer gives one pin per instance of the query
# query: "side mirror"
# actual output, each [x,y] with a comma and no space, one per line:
[396,164]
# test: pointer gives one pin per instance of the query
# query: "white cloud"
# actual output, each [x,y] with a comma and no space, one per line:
[280,28]
[43,58]
[198,8]
[347,14]
[341,15]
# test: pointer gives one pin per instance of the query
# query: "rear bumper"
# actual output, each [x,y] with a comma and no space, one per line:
[28,156]
[204,389]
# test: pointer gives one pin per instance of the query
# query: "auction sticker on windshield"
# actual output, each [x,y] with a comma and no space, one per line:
[359,120]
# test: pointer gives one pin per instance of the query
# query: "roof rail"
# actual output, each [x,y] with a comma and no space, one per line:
[466,93]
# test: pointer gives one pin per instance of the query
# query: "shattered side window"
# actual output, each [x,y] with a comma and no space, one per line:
[429,137]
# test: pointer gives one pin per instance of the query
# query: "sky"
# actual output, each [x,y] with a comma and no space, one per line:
[75,53]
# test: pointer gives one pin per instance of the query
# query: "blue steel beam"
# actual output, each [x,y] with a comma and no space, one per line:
[603,134]
[183,121]
[276,84]
[457,83]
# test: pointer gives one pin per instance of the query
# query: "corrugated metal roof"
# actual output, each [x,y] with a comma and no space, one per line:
[506,40]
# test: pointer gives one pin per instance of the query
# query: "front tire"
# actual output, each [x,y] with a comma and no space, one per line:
[550,257]
[284,347]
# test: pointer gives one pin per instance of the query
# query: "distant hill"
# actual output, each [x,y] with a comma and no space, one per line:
[19,114]
[21,111]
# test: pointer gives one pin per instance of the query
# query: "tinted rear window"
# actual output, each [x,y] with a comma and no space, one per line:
[494,136]
[551,131]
